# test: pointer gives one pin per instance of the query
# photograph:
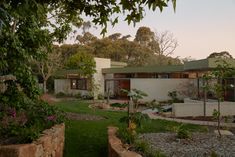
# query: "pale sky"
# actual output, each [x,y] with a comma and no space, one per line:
[200,26]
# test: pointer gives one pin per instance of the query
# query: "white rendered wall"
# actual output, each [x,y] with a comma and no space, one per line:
[196,109]
[98,76]
[158,88]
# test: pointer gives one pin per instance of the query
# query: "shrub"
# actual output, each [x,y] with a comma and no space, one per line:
[123,105]
[144,148]
[50,84]
[182,132]
[78,95]
[174,97]
[25,123]
[60,95]
[100,97]
[126,135]
[87,96]
[141,146]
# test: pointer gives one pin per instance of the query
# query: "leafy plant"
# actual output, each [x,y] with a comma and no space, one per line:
[182,132]
[60,95]
[120,105]
[136,118]
[174,97]
[154,104]
[127,135]
[100,97]
[78,95]
[25,124]
[144,148]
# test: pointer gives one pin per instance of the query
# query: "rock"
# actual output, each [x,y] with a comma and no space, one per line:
[223,132]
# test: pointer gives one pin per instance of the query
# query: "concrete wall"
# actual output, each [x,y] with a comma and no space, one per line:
[158,88]
[63,85]
[196,109]
[98,76]
[50,144]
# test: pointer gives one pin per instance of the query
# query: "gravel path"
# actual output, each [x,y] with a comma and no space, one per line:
[200,144]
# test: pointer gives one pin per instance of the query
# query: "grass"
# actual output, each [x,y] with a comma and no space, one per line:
[89,138]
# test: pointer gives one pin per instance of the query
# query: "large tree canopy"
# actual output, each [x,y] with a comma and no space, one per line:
[29,27]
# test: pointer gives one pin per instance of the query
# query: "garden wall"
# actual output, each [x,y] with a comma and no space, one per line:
[196,109]
[50,144]
[115,146]
[158,88]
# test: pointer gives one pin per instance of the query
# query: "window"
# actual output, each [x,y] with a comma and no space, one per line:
[79,84]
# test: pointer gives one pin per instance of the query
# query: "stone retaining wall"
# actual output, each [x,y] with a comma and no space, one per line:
[115,146]
[50,144]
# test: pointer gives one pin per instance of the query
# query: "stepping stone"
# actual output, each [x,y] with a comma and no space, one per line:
[223,132]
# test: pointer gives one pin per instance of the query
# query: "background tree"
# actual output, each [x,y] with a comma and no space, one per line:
[84,62]
[144,36]
[46,67]
[223,55]
[115,36]
[86,38]
[167,43]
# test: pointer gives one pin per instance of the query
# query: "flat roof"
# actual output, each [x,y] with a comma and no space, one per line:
[203,64]
[65,72]
[146,69]
[206,64]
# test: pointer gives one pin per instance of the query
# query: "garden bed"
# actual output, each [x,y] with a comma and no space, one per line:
[200,144]
[51,143]
[115,145]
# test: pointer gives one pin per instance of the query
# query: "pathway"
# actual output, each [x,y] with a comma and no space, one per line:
[208,123]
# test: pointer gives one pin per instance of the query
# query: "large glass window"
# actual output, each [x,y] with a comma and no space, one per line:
[80,84]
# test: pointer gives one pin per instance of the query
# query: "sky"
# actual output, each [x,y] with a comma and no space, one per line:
[200,26]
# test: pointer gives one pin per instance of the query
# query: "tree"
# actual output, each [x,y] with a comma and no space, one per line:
[223,55]
[29,27]
[83,62]
[86,38]
[46,67]
[86,25]
[187,59]
[144,36]
[222,71]
[167,43]
[115,36]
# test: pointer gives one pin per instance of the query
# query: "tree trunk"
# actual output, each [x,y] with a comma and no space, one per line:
[204,99]
[44,86]
[219,117]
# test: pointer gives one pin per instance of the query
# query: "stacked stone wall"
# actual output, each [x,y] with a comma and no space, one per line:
[115,145]
[50,144]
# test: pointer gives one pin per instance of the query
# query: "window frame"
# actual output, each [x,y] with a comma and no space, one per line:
[77,83]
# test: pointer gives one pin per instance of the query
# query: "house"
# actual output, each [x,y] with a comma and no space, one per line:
[70,82]
[156,81]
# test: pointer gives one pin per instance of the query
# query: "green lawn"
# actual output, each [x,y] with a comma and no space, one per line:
[89,138]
